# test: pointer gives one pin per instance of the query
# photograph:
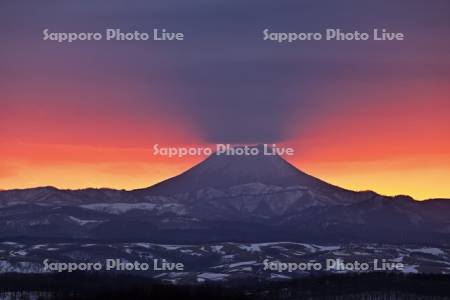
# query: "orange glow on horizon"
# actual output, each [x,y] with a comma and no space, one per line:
[77,167]
[390,146]
[398,144]
[418,177]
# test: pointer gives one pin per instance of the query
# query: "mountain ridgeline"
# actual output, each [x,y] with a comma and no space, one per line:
[225,198]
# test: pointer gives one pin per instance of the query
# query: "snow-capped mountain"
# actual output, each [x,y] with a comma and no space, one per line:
[223,171]
[225,198]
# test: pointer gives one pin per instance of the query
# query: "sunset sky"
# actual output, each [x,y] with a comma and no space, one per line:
[361,115]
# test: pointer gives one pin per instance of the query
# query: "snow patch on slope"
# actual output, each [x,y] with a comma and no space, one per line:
[118,208]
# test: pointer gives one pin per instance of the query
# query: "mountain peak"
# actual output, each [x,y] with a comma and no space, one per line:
[225,170]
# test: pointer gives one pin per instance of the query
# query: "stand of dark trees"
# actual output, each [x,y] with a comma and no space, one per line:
[331,287]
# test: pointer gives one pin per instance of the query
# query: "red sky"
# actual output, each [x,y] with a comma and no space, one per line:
[390,146]
[362,115]
[399,144]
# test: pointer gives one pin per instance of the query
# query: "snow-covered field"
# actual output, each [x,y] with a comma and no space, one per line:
[222,261]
